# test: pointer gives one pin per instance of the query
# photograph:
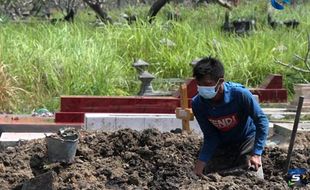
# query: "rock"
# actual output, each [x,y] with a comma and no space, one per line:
[2,168]
[79,161]
[176,131]
[44,181]
[10,150]
[134,179]
[145,152]
[214,177]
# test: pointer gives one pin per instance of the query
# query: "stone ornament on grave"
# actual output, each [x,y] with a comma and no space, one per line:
[140,66]
[145,77]
[146,87]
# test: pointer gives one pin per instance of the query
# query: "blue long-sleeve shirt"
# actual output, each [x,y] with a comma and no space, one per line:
[235,119]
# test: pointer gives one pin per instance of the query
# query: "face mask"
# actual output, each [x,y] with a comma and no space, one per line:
[207,92]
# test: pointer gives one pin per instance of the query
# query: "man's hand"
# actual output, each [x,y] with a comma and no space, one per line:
[200,165]
[255,162]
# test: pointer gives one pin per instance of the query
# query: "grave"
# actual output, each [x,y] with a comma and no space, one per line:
[73,108]
[285,129]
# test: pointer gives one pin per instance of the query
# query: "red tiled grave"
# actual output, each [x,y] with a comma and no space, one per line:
[74,107]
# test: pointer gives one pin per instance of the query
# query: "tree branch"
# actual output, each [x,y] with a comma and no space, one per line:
[307,54]
[303,78]
[225,4]
[103,15]
[155,8]
[292,67]
[299,57]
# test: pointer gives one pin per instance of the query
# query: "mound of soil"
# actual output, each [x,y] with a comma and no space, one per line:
[129,159]
[302,140]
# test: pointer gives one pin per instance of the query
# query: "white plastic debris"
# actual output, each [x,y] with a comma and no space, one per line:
[42,112]
[167,42]
[277,116]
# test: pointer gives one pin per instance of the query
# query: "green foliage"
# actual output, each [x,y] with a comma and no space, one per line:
[81,59]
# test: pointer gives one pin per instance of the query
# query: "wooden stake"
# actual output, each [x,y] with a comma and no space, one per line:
[184,105]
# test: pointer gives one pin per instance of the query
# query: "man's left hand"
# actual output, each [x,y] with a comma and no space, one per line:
[255,162]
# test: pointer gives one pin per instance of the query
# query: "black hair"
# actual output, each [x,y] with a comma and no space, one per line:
[210,67]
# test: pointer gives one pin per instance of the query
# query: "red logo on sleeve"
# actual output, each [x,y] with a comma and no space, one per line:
[225,123]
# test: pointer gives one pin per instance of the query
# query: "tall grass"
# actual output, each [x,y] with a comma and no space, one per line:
[8,90]
[80,59]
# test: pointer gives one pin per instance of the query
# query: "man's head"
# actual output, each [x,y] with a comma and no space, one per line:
[209,73]
[208,67]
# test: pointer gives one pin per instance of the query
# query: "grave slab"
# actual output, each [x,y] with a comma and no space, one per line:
[285,129]
[12,139]
[113,122]
[162,122]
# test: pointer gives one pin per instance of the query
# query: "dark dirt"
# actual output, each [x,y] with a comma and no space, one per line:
[128,159]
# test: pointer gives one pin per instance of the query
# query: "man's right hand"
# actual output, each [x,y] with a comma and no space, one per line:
[200,165]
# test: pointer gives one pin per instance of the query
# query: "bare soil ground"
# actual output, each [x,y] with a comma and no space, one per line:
[128,159]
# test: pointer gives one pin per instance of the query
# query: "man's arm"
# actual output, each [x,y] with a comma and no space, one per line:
[260,120]
[210,140]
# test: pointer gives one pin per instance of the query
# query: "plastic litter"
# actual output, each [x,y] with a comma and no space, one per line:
[42,112]
[167,42]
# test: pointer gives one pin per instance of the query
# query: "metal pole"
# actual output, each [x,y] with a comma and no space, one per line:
[293,135]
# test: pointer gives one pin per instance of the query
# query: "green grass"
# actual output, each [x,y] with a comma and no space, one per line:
[79,59]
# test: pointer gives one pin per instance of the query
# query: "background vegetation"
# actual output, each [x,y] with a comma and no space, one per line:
[40,61]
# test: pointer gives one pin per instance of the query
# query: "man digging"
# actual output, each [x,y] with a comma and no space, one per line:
[233,124]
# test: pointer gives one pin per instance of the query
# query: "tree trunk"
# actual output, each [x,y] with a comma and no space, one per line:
[118,3]
[96,7]
[294,3]
[155,9]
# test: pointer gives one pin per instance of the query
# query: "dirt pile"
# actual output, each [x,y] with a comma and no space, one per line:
[128,159]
